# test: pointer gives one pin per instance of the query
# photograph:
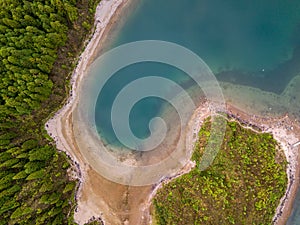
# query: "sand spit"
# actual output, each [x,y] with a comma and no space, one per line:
[193,128]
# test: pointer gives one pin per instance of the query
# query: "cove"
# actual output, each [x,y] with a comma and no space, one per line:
[254,43]
[251,43]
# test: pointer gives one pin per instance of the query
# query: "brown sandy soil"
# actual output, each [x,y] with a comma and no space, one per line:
[122,203]
[99,197]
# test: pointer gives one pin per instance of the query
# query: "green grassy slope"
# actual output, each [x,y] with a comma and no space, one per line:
[242,186]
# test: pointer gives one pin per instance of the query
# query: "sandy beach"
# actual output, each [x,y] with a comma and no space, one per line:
[96,197]
[116,204]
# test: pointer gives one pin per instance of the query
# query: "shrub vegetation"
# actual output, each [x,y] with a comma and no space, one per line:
[243,185]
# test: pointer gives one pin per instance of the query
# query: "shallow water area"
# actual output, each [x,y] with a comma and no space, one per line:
[135,157]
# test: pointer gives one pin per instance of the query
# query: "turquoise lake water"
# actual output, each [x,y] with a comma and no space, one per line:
[255,43]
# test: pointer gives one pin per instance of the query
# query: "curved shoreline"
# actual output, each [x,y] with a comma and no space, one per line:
[60,129]
[278,128]
[274,126]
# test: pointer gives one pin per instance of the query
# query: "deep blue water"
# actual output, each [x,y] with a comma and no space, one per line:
[248,41]
[245,42]
[256,43]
